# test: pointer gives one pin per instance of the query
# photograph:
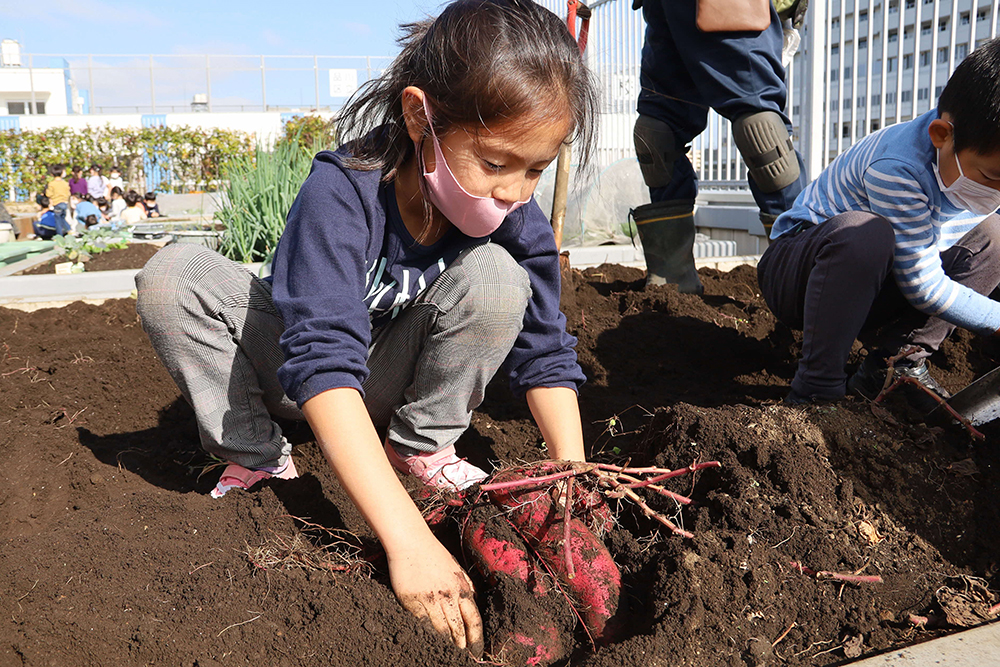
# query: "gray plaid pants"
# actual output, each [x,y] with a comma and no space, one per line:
[215,328]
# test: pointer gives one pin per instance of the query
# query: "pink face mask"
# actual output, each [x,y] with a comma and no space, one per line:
[474,216]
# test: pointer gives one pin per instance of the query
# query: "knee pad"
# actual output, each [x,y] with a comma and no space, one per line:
[657,150]
[763,141]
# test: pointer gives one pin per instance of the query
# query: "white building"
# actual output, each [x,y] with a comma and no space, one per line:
[911,45]
[28,89]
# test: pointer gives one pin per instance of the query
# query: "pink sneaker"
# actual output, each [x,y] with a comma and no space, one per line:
[442,470]
[237,477]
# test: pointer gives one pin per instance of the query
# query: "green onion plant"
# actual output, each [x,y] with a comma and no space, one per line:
[261,190]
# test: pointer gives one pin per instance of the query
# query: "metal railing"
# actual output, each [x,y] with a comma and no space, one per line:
[164,83]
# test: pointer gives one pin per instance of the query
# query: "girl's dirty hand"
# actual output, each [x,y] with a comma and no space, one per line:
[430,584]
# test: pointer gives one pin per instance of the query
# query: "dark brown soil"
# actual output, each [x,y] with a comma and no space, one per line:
[113,552]
[134,256]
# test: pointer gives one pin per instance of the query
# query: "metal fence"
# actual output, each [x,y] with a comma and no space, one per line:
[205,82]
[836,95]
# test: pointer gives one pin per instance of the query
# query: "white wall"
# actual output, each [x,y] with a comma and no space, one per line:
[49,85]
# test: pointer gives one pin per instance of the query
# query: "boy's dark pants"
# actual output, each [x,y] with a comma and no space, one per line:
[834,281]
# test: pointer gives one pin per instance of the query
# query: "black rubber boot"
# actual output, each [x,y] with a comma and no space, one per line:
[666,230]
[869,379]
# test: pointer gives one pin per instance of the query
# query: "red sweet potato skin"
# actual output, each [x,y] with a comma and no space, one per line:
[527,623]
[596,586]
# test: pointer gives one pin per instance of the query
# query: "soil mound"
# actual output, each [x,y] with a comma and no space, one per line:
[115,554]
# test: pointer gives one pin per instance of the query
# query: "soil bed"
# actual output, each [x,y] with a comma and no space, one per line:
[113,552]
[134,256]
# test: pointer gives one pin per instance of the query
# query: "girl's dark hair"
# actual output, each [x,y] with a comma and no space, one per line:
[132,198]
[482,62]
[117,191]
[972,99]
[91,220]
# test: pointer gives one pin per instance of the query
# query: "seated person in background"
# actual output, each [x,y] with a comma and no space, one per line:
[104,207]
[117,203]
[899,237]
[97,185]
[58,193]
[78,184]
[134,212]
[152,208]
[85,208]
[47,224]
[115,180]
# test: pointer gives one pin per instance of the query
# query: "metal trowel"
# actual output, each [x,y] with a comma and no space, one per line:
[980,401]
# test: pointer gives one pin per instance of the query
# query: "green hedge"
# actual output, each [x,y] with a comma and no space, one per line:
[195,158]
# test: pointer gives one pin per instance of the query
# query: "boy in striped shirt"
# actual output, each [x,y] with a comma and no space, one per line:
[899,237]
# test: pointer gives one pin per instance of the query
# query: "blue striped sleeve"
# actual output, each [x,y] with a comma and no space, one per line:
[896,192]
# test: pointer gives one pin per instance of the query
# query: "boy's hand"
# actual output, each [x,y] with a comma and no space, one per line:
[430,584]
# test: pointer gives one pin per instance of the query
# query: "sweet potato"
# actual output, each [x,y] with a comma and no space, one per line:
[527,623]
[596,586]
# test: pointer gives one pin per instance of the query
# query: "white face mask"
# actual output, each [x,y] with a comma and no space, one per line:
[965,192]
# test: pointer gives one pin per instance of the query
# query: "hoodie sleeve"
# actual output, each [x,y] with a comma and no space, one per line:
[319,281]
[543,354]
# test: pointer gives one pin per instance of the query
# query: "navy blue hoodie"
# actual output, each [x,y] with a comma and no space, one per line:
[346,265]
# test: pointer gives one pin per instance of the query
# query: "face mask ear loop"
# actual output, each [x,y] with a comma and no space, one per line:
[954,152]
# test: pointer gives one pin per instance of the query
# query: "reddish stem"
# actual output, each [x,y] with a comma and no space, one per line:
[647,510]
[570,571]
[633,471]
[694,467]
[683,500]
[823,575]
[529,482]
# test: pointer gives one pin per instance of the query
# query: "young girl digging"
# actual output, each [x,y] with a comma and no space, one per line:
[414,264]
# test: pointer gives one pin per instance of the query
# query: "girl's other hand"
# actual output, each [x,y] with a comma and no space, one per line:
[430,584]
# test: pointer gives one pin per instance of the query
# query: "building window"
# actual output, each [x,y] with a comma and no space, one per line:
[862,16]
[846,131]
[890,65]
[906,96]
[847,103]
[833,105]
[943,56]
[875,126]
[943,25]
[910,4]
[22,108]
[876,100]
[964,19]
[925,28]
[847,73]
[925,58]
[961,50]
[893,6]
[862,44]
[833,75]
[907,61]
[795,110]
[835,50]
[893,36]
[908,32]
[923,93]
[890,97]
[928,2]
[982,14]
[835,23]
[938,91]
